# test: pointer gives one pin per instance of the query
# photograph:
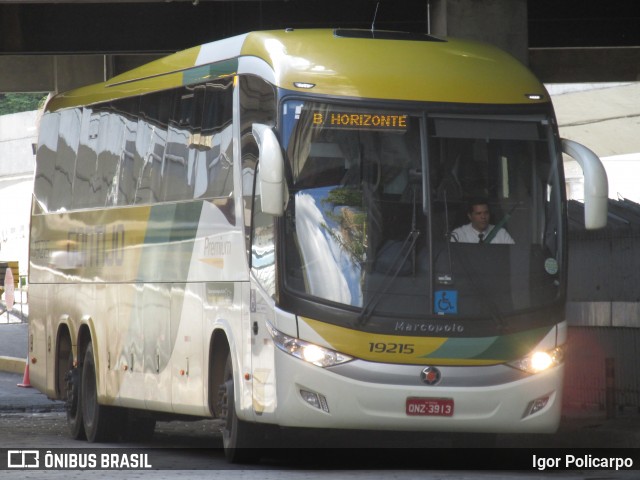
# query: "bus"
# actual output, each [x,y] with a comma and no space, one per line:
[259,230]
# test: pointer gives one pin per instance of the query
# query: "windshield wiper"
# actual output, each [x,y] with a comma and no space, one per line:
[394,269]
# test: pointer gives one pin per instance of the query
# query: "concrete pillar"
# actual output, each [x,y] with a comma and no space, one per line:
[502,23]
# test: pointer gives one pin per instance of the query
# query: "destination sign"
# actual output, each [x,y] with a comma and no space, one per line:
[361,120]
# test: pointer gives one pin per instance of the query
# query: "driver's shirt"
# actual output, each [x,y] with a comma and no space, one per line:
[468,234]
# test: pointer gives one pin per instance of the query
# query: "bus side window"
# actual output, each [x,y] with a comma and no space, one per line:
[143,139]
[155,160]
[196,161]
[110,144]
[128,174]
[45,166]
[176,182]
[152,140]
[151,172]
[65,159]
[87,159]
[183,127]
[214,150]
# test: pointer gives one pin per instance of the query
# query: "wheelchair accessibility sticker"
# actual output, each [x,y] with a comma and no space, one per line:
[445,302]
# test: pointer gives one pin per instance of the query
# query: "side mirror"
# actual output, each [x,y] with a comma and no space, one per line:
[596,185]
[270,171]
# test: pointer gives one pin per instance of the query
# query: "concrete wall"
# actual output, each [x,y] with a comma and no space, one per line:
[18,132]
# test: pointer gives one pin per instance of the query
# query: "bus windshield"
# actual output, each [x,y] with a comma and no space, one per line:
[377,196]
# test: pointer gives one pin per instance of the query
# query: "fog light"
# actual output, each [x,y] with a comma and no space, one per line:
[536,405]
[316,400]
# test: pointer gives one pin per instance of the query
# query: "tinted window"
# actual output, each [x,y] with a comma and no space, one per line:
[45,166]
[165,146]
[68,138]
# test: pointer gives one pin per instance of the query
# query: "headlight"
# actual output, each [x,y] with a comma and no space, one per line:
[309,352]
[540,360]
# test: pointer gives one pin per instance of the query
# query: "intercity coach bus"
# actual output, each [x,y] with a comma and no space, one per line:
[258,229]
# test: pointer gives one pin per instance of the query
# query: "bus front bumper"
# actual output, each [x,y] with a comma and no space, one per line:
[310,396]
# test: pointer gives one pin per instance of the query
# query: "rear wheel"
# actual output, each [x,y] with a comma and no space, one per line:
[241,440]
[101,423]
[73,387]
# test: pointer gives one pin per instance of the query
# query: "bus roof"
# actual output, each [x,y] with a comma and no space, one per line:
[337,63]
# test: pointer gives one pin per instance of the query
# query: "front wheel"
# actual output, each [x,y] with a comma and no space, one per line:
[241,440]
[101,423]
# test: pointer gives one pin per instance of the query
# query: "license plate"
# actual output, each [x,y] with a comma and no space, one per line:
[430,407]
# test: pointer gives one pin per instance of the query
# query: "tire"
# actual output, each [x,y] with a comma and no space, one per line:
[241,440]
[73,388]
[64,363]
[101,423]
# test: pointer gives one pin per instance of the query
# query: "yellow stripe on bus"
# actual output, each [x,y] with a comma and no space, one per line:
[377,347]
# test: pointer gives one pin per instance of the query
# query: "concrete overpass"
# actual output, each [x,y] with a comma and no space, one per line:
[52,45]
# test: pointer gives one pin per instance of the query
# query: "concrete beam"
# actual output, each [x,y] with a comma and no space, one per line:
[51,73]
[502,23]
[58,73]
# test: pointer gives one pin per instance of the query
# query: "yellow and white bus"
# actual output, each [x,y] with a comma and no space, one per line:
[259,229]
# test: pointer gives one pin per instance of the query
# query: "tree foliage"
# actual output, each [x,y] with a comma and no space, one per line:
[20,102]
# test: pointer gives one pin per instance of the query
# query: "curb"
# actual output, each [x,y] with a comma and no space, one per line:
[12,364]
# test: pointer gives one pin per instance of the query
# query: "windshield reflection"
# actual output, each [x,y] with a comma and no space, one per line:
[331,246]
[356,232]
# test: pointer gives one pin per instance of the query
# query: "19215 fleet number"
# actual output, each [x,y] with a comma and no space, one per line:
[382,347]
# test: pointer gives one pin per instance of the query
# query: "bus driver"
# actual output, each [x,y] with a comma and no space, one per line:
[479,229]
